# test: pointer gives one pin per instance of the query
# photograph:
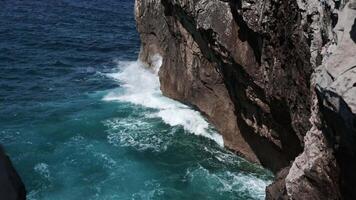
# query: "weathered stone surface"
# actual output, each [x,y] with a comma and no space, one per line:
[323,170]
[275,77]
[277,190]
[11,186]
[213,60]
[314,173]
[336,91]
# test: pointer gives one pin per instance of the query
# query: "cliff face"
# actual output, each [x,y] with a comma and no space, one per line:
[276,78]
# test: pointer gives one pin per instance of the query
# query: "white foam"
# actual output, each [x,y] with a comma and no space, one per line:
[223,181]
[42,169]
[142,87]
[135,133]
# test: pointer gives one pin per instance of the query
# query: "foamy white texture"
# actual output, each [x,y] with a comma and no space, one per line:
[237,182]
[142,87]
[42,169]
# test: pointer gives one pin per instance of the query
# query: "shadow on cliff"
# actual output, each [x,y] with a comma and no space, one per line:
[278,120]
[353,32]
[341,136]
[238,81]
[245,33]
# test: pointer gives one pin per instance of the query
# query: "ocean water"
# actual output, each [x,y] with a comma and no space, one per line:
[81,118]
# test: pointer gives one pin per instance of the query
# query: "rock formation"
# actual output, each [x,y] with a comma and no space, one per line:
[277,78]
[11,186]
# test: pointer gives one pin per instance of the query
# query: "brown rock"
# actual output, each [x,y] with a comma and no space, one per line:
[275,77]
[213,60]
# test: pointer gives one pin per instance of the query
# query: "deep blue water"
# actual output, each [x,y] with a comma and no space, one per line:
[81,119]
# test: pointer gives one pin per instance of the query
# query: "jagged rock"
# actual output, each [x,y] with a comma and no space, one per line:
[277,190]
[275,77]
[213,59]
[337,97]
[11,186]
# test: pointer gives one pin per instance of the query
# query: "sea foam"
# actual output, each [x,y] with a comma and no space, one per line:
[142,87]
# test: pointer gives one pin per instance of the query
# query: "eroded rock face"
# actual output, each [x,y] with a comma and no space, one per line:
[214,60]
[275,77]
[323,170]
[336,89]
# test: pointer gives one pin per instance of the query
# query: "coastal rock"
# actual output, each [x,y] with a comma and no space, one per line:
[276,78]
[11,186]
[323,170]
[213,60]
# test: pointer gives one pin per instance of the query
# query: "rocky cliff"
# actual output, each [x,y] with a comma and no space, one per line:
[277,78]
[11,186]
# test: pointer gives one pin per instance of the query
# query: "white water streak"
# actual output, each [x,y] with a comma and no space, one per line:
[142,87]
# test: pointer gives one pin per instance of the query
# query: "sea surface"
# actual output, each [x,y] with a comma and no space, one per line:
[81,118]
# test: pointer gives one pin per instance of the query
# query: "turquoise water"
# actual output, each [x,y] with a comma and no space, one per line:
[81,119]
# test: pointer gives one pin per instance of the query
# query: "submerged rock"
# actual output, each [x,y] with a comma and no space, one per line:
[276,78]
[11,186]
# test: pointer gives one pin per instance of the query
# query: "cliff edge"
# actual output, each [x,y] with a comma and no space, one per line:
[276,78]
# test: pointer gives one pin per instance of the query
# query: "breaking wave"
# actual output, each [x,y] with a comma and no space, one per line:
[141,86]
